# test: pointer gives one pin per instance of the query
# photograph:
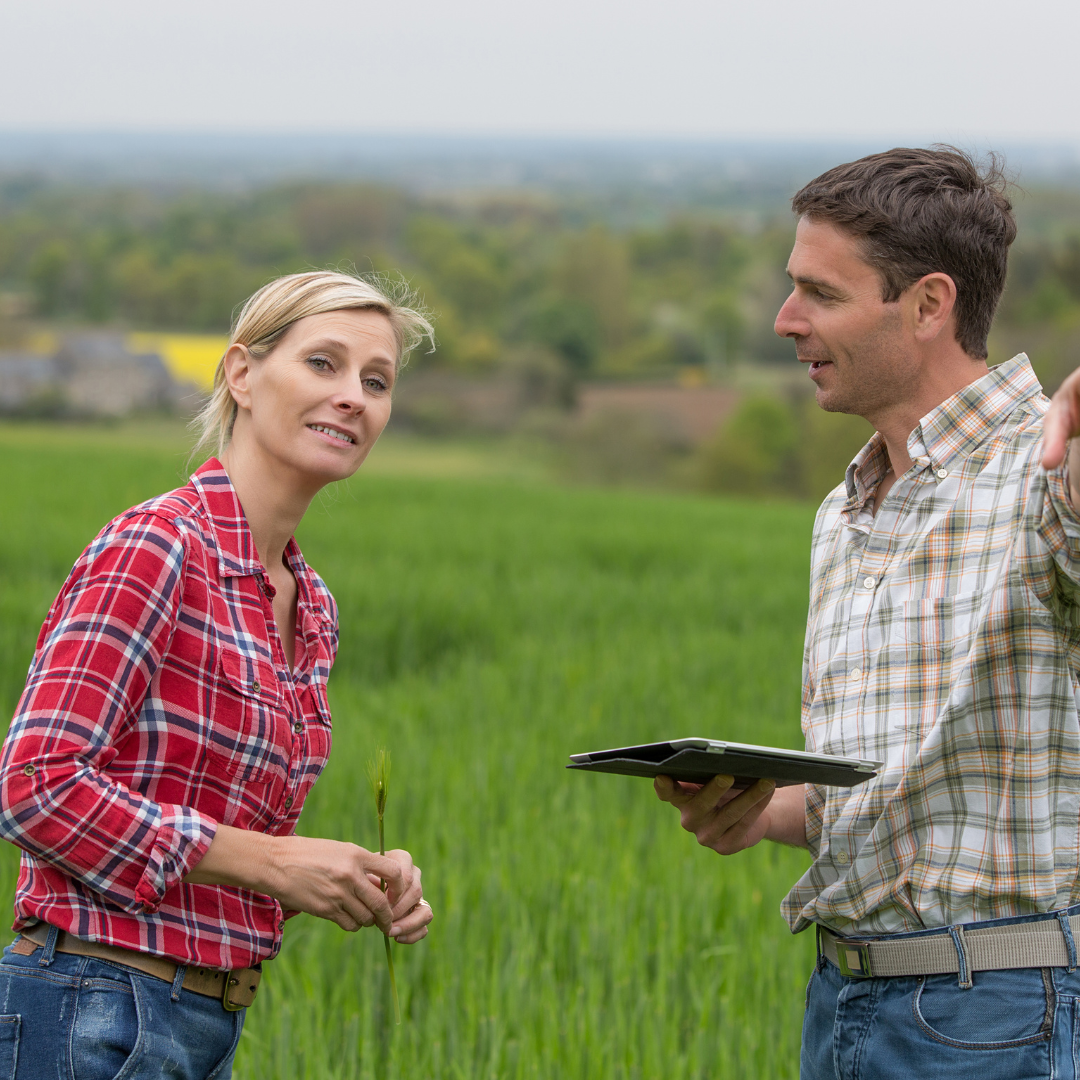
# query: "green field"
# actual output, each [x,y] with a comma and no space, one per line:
[491,624]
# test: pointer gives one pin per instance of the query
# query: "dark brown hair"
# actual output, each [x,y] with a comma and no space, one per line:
[920,212]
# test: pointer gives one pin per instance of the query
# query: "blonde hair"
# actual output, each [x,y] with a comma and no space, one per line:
[268,314]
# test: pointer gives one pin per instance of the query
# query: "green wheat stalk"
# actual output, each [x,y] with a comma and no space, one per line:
[379,775]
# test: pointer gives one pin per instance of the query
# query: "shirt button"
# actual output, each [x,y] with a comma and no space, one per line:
[941,473]
[288,802]
[298,728]
[281,925]
[855,673]
[255,686]
[868,582]
[28,770]
[842,857]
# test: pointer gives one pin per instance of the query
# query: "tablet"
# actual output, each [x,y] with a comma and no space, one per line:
[699,760]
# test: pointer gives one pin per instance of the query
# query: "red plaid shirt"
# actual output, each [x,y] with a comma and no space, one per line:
[159,703]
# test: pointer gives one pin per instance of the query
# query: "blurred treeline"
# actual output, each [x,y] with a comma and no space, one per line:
[517,282]
[499,272]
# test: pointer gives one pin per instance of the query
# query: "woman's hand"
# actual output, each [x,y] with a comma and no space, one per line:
[332,880]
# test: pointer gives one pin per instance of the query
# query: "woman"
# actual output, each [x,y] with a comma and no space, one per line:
[175,718]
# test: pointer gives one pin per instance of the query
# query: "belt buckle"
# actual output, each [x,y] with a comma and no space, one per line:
[232,980]
[853,959]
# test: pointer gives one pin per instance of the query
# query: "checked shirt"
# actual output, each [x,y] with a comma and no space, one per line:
[944,639]
[159,704]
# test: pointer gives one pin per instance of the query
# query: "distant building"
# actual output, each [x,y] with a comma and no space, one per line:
[28,383]
[91,374]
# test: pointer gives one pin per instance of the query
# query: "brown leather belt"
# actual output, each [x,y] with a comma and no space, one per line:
[235,989]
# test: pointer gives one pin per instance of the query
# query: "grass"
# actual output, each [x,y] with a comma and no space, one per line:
[491,625]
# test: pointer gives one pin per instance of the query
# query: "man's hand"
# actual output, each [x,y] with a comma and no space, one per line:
[729,821]
[1062,423]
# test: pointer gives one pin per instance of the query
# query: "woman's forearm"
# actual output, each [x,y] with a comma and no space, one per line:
[327,878]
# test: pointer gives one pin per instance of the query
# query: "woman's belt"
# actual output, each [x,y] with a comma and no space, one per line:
[235,989]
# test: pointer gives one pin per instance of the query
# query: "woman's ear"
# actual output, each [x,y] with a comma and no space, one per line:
[237,362]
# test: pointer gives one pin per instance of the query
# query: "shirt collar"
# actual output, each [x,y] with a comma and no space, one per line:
[952,430]
[237,556]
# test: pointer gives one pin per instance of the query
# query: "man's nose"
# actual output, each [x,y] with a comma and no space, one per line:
[789,321]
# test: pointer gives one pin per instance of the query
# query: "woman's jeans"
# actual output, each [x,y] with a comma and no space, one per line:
[66,1016]
[1010,1025]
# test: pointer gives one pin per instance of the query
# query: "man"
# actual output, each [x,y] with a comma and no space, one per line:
[943,638]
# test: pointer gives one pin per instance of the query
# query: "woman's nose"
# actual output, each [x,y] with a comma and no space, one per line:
[351,398]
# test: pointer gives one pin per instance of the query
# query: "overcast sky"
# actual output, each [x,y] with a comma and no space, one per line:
[969,71]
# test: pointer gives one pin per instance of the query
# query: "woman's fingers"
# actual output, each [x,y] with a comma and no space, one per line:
[413,926]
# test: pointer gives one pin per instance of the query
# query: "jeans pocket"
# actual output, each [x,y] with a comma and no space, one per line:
[1001,1009]
[10,1027]
[106,1029]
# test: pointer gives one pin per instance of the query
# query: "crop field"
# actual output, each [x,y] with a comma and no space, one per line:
[492,624]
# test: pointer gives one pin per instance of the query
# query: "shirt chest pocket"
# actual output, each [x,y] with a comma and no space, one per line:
[935,627]
[247,734]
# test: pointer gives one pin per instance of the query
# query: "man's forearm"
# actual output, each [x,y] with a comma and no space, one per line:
[787,816]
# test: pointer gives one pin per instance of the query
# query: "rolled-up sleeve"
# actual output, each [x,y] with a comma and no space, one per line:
[101,644]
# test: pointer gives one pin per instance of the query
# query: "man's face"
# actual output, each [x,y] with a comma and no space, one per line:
[859,354]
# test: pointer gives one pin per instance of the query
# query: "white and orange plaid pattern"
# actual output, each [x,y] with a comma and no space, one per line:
[944,639]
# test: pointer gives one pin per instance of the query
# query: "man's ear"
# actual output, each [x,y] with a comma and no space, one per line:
[933,301]
[237,364]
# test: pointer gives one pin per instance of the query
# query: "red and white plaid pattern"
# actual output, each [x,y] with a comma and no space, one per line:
[159,704]
[944,639]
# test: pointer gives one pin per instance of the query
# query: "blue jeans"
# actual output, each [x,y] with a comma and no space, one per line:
[95,1020]
[1010,1025]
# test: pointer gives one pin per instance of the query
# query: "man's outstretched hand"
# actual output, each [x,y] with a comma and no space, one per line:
[1062,422]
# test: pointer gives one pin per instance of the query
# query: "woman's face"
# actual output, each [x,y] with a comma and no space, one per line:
[314,406]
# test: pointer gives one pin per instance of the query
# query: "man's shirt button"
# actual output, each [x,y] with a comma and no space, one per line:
[855,673]
[868,582]
[942,473]
[842,857]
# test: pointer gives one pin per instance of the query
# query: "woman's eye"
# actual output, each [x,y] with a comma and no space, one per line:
[375,384]
[320,363]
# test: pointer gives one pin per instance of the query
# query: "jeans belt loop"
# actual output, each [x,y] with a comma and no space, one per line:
[48,951]
[964,975]
[1070,943]
[178,982]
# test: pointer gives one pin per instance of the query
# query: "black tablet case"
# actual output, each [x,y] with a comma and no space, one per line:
[700,766]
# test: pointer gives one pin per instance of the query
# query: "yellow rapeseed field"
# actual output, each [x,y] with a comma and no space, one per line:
[190,358]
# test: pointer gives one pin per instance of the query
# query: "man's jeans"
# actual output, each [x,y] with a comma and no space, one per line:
[1010,1025]
[94,1020]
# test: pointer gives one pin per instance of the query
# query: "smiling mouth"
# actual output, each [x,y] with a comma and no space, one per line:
[341,436]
